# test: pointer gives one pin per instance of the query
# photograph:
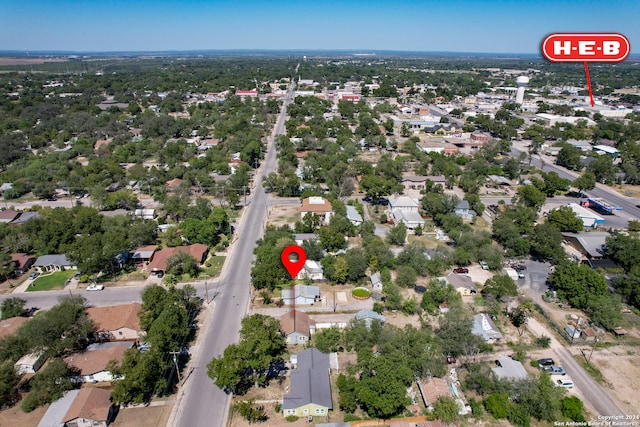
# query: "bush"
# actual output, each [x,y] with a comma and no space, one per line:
[572,408]
[497,404]
[291,418]
[543,341]
[266,298]
[351,417]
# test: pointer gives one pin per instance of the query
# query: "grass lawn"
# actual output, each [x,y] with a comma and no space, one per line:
[216,266]
[47,282]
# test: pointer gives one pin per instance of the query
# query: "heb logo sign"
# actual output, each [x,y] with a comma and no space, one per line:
[588,47]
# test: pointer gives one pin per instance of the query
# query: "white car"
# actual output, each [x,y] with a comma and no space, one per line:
[565,382]
[95,287]
[484,265]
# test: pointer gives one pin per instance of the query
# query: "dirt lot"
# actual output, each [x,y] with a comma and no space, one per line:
[143,416]
[15,417]
[283,214]
[621,371]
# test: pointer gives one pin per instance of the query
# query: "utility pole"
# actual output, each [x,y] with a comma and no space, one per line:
[206,289]
[595,341]
[175,361]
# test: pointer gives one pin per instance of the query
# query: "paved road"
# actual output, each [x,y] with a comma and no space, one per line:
[200,402]
[628,204]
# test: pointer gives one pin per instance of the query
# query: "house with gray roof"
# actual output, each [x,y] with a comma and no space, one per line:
[590,244]
[369,317]
[509,369]
[484,327]
[53,262]
[353,215]
[463,210]
[301,294]
[310,388]
[376,282]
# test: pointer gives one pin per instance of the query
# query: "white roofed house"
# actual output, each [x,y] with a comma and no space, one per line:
[145,213]
[312,270]
[403,209]
[318,206]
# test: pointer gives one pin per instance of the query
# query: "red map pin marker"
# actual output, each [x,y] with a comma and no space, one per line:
[293,267]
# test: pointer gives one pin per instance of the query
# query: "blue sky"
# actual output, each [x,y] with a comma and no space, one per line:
[500,26]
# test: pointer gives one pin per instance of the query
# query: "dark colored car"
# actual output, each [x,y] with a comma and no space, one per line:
[545,362]
[461,270]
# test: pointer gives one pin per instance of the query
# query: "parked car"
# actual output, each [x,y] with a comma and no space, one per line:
[484,265]
[451,359]
[520,274]
[33,275]
[160,274]
[545,362]
[565,382]
[95,287]
[143,346]
[555,370]
[461,270]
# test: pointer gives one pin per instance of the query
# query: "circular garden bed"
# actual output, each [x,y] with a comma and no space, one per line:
[361,293]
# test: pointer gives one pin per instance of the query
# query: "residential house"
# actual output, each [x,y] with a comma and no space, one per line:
[376,282]
[462,283]
[30,363]
[432,389]
[24,217]
[463,210]
[301,294]
[143,254]
[91,407]
[297,327]
[369,316]
[159,262]
[92,364]
[590,244]
[484,327]
[54,262]
[509,369]
[10,325]
[8,215]
[353,215]
[22,262]
[318,206]
[310,388]
[403,209]
[412,182]
[312,270]
[117,322]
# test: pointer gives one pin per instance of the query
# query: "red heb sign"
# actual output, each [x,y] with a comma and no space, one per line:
[588,47]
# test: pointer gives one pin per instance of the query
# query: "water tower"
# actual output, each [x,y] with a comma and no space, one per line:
[522,83]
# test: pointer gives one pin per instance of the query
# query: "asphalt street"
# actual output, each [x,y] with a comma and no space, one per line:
[200,402]
[629,205]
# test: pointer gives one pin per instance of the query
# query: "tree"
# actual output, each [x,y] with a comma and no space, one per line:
[9,379]
[553,183]
[48,385]
[248,362]
[331,239]
[500,286]
[13,307]
[518,318]
[565,219]
[406,277]
[603,169]
[586,181]
[182,263]
[445,409]
[625,250]
[577,284]
[356,263]
[397,235]
[569,157]
[455,334]
[249,412]
[497,404]
[141,376]
[546,242]
[530,196]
